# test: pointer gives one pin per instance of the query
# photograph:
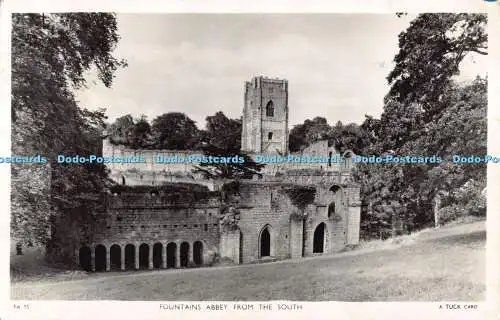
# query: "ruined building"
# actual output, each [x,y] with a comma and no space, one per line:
[163,216]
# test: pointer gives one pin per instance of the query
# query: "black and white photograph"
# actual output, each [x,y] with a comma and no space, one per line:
[249,157]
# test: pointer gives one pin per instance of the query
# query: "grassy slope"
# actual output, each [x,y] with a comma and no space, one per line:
[444,264]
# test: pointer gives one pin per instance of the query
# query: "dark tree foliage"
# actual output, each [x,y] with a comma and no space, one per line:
[309,132]
[174,131]
[50,54]
[244,170]
[426,113]
[223,138]
[223,132]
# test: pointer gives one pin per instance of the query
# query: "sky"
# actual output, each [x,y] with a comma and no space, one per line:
[336,64]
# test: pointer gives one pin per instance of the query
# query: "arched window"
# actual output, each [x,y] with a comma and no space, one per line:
[319,239]
[270,109]
[331,209]
[270,136]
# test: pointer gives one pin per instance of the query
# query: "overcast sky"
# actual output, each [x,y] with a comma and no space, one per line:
[336,64]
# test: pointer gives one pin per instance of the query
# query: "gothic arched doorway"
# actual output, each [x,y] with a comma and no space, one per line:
[319,238]
[265,243]
[198,253]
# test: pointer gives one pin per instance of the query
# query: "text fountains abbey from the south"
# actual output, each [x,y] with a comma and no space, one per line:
[291,211]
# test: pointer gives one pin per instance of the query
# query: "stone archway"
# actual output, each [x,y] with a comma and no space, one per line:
[184,254]
[198,253]
[337,205]
[100,258]
[130,257]
[115,257]
[171,250]
[319,238]
[157,255]
[85,259]
[143,256]
[265,243]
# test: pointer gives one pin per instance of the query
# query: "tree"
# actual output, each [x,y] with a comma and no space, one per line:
[141,134]
[50,54]
[309,132]
[430,53]
[121,130]
[245,169]
[426,113]
[175,131]
[349,137]
[223,138]
[223,132]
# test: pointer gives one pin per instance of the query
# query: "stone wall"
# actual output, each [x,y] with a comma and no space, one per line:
[267,205]
[270,220]
[144,219]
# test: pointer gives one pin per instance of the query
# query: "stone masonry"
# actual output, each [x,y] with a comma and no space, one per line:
[292,211]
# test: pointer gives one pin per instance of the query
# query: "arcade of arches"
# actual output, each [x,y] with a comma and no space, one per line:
[142,256]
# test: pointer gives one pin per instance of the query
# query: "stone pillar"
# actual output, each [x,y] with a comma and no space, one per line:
[354,224]
[178,255]
[230,245]
[122,256]
[190,255]
[92,258]
[137,256]
[296,237]
[108,258]
[164,257]
[150,257]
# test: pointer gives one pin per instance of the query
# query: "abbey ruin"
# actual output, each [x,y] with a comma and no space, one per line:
[291,211]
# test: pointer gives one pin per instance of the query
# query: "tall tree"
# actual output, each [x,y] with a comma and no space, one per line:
[121,130]
[141,134]
[430,53]
[175,131]
[309,132]
[423,111]
[223,133]
[223,138]
[50,54]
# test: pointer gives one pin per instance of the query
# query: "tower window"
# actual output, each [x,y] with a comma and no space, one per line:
[270,109]
[270,136]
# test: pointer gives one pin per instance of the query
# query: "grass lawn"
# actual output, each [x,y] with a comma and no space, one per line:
[443,264]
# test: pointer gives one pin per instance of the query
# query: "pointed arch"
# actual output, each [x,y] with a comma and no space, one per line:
[266,238]
[270,109]
[337,205]
[319,238]
[198,253]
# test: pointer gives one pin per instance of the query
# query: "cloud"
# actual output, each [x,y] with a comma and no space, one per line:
[197,64]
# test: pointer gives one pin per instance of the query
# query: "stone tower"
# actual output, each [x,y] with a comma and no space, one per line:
[265,116]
